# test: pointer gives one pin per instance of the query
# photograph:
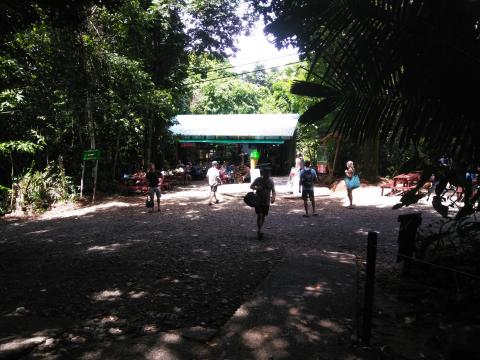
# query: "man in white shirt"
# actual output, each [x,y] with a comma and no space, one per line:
[213,176]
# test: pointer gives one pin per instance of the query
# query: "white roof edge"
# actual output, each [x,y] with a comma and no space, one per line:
[236,125]
[235,115]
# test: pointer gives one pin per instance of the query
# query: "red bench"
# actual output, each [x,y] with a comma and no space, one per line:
[401,183]
[388,185]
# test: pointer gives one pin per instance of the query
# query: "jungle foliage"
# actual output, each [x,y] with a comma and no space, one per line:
[108,75]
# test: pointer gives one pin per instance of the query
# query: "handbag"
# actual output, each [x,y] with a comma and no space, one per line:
[149,203]
[250,199]
[353,182]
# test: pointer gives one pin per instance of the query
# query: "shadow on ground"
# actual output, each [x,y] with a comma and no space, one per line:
[81,283]
[119,271]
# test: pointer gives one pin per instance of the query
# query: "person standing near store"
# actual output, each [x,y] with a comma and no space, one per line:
[213,176]
[349,173]
[265,191]
[295,179]
[153,179]
[299,162]
[308,176]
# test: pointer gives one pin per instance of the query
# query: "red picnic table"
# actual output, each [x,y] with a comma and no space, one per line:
[139,185]
[402,183]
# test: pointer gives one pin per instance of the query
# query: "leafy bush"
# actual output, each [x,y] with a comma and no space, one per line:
[38,190]
[4,199]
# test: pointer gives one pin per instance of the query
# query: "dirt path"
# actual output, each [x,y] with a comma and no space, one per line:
[114,271]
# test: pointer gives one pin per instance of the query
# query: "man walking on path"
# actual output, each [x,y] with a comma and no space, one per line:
[213,176]
[308,176]
[153,185]
[264,186]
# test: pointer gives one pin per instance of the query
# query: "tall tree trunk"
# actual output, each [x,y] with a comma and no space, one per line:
[161,152]
[80,127]
[115,157]
[90,121]
[91,125]
[12,195]
[148,152]
[157,128]
[331,171]
[368,161]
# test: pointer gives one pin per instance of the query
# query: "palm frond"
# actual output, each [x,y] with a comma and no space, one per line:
[305,88]
[404,69]
[318,111]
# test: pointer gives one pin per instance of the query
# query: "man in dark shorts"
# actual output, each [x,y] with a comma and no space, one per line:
[263,186]
[308,176]
[213,176]
[153,185]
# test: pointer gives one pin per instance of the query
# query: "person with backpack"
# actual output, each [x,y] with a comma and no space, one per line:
[308,176]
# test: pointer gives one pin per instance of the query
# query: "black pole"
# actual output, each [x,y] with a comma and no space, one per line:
[369,286]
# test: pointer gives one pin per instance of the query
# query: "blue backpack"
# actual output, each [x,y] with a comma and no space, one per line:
[307,178]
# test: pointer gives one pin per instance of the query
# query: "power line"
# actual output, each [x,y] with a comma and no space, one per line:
[244,73]
[250,63]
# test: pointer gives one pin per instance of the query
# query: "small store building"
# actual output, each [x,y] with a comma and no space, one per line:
[232,138]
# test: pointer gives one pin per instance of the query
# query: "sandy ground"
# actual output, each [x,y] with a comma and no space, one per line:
[80,274]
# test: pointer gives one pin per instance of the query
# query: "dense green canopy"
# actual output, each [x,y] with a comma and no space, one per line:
[104,74]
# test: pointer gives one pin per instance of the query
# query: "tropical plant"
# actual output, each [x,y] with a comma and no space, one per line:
[38,190]
[4,200]
[9,148]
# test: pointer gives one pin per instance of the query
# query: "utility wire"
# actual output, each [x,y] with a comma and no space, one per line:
[244,73]
[250,63]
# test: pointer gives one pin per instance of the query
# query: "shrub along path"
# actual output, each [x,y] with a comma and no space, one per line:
[77,280]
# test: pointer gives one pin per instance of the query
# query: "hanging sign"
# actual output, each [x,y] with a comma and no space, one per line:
[255,155]
[91,154]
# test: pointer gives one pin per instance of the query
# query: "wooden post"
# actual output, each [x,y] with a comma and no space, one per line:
[95,173]
[369,286]
[81,181]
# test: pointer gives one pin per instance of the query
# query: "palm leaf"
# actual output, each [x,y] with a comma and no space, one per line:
[305,88]
[391,57]
[401,70]
[318,111]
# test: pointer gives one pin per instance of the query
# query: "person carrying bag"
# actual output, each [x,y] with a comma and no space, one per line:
[352,181]
[250,199]
[264,188]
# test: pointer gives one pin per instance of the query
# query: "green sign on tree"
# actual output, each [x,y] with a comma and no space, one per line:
[91,154]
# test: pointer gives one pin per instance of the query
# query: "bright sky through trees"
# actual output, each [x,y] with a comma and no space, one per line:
[256,47]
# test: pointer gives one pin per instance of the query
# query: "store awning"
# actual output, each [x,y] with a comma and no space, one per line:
[236,128]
